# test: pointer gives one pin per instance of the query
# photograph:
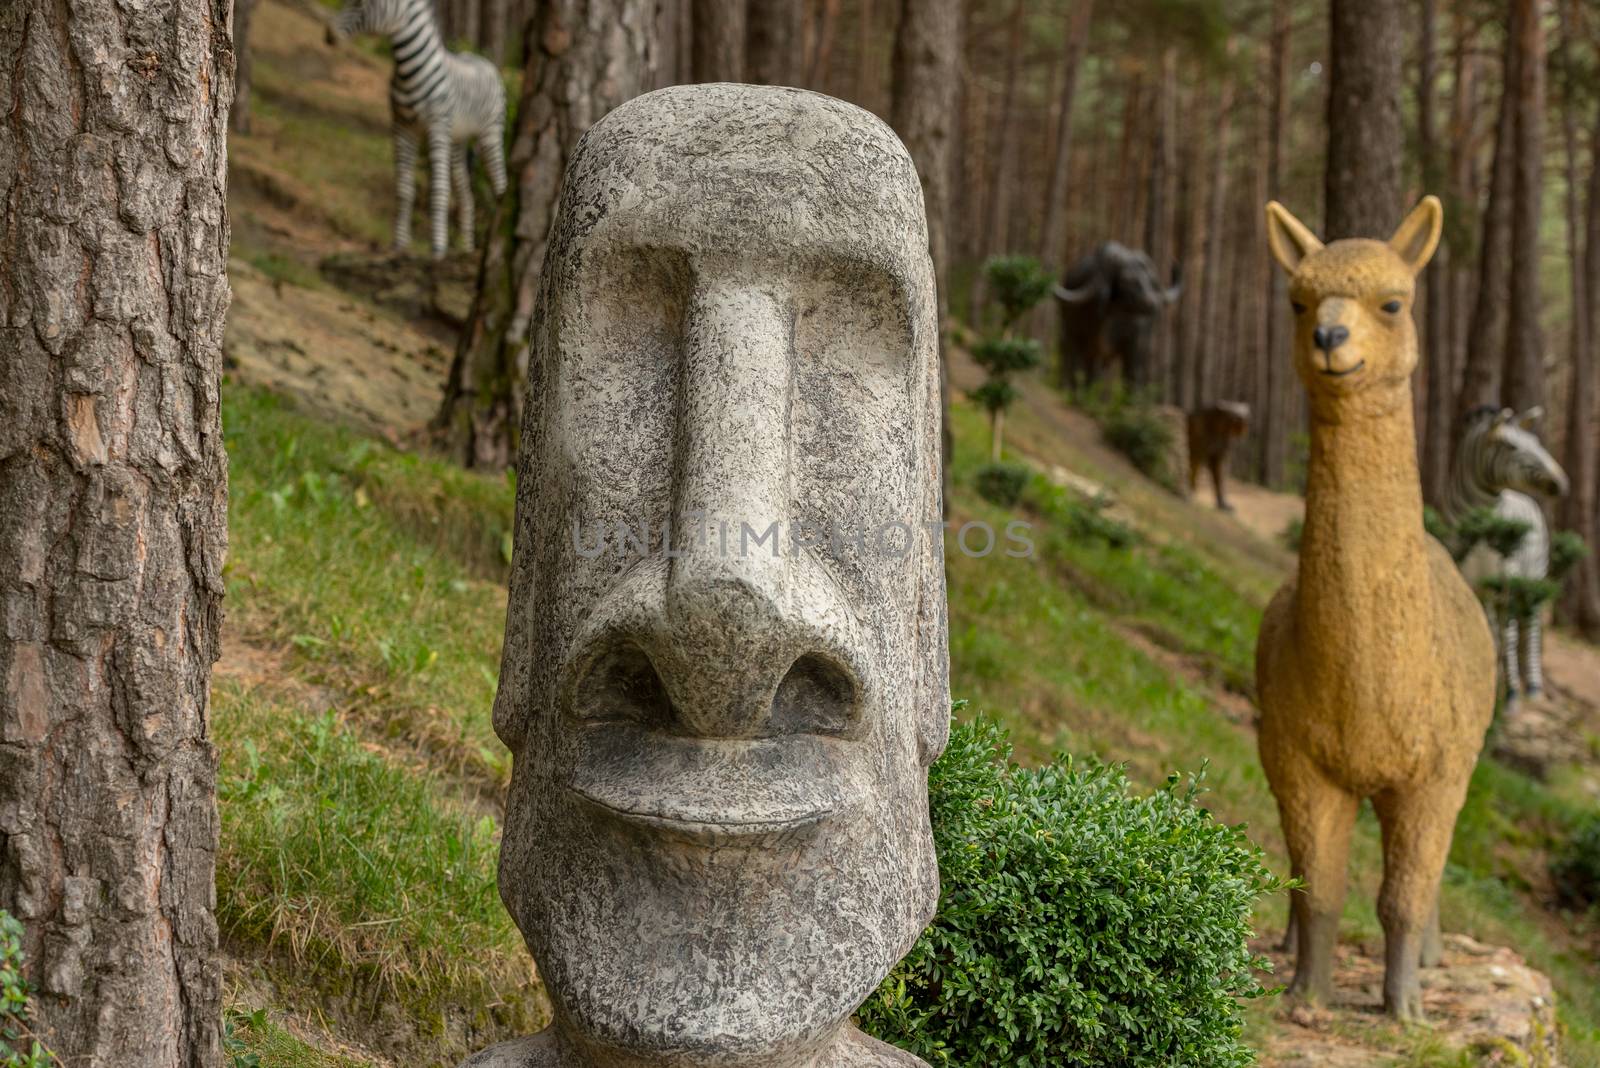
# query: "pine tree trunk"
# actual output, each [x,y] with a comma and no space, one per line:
[113,517]
[1213,310]
[1052,240]
[1438,378]
[494,31]
[1159,216]
[1524,352]
[1580,511]
[239,115]
[819,65]
[1486,338]
[719,40]
[1275,406]
[927,57]
[584,57]
[1364,135]
[771,42]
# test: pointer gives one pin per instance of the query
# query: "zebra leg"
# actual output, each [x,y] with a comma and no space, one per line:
[439,188]
[461,181]
[494,161]
[1508,661]
[405,184]
[1532,653]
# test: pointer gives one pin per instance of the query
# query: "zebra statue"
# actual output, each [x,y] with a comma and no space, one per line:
[453,98]
[1498,464]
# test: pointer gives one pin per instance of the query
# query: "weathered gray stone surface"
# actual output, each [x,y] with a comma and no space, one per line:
[716,840]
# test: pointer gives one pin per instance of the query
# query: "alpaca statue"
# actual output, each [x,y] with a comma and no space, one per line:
[1375,667]
[1500,464]
[453,99]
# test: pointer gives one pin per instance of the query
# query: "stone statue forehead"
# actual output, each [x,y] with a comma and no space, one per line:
[739,169]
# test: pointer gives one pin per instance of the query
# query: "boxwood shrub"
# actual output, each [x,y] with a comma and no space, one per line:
[1079,924]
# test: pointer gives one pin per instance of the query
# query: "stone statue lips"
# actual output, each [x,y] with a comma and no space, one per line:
[717,791]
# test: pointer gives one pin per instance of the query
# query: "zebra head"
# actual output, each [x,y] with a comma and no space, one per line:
[1509,455]
[384,18]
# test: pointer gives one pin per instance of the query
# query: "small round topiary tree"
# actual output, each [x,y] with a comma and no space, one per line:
[1017,283]
[1079,925]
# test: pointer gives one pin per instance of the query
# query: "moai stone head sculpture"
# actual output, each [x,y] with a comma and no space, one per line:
[725,668]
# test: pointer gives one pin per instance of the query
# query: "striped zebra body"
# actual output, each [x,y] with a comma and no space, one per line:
[1500,464]
[449,100]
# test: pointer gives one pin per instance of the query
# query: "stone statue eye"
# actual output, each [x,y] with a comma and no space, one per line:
[1391,306]
[1299,309]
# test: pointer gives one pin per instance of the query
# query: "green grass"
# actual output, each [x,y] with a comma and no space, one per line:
[378,569]
[254,1040]
[362,872]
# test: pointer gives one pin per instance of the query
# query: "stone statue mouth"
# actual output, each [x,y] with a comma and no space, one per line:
[713,790]
[1331,373]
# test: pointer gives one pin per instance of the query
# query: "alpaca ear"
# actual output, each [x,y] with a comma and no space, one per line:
[1418,237]
[1288,237]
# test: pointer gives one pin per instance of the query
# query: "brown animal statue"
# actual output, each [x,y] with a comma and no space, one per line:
[1212,432]
[1375,667]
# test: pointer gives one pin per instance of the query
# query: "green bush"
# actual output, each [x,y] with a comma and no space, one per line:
[1017,283]
[1576,868]
[18,1046]
[1294,532]
[1502,535]
[1078,925]
[1006,355]
[1002,484]
[1566,549]
[1140,434]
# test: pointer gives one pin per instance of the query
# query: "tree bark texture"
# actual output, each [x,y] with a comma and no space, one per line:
[719,40]
[1523,383]
[772,39]
[1276,396]
[1364,134]
[926,68]
[1052,245]
[1486,338]
[113,521]
[584,57]
[1581,509]
[1438,394]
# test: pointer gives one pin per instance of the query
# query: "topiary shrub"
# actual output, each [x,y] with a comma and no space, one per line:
[1079,925]
[1140,434]
[1576,868]
[1002,484]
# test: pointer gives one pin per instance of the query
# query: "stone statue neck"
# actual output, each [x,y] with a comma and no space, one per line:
[1363,528]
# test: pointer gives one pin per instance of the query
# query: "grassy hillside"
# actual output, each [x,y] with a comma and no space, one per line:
[361,780]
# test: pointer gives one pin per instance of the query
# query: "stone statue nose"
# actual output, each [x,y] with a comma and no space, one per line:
[1328,338]
[746,640]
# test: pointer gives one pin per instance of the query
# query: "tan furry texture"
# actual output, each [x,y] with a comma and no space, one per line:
[1375,667]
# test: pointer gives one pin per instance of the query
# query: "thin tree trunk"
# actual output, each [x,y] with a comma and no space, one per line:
[1438,379]
[1364,133]
[113,517]
[239,116]
[1524,352]
[584,57]
[494,31]
[990,240]
[719,40]
[1274,424]
[1212,309]
[1159,216]
[818,69]
[927,58]
[1580,511]
[1486,338]
[774,30]
[1051,244]
[866,73]
[1464,192]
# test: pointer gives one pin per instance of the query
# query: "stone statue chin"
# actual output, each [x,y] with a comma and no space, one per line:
[725,666]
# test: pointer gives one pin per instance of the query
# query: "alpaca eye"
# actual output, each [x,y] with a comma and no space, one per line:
[1299,309]
[1391,306]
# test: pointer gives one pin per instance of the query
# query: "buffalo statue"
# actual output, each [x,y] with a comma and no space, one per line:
[1111,302]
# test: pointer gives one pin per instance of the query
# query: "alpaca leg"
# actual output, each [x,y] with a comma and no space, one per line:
[1432,939]
[439,189]
[1417,826]
[1317,820]
[494,161]
[461,182]
[405,185]
[1532,654]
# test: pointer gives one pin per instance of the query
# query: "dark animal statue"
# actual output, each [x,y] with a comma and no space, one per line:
[1111,301]
[1212,432]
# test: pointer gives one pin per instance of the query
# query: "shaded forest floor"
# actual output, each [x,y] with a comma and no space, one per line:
[361,781]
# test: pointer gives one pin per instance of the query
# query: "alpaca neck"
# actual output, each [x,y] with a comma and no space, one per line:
[1363,555]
